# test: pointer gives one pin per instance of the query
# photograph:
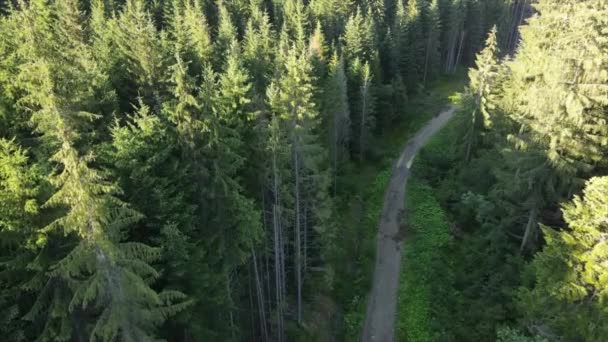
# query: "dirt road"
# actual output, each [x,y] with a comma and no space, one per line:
[382,303]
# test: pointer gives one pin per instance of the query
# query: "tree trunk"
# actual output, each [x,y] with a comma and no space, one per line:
[336,142]
[364,95]
[260,296]
[529,229]
[426,58]
[459,55]
[278,253]
[298,233]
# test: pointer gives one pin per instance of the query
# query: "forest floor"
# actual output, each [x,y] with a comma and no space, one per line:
[381,308]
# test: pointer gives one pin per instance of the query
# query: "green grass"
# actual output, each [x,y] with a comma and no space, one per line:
[429,231]
[424,268]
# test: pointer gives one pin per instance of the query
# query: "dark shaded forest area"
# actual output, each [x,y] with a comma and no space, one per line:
[192,170]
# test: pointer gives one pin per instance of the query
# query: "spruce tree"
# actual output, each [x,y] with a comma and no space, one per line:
[102,285]
[226,34]
[414,56]
[480,96]
[141,58]
[258,51]
[306,196]
[432,48]
[333,15]
[20,190]
[561,121]
[336,114]
[569,288]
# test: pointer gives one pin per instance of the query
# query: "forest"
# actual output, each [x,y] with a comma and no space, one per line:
[214,170]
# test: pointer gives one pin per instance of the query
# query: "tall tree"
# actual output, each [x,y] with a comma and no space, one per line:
[336,114]
[480,96]
[102,284]
[569,285]
[290,100]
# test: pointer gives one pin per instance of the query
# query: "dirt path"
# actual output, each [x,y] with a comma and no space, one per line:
[382,302]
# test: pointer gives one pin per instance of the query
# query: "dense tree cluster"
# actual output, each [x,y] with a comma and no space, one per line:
[530,191]
[168,168]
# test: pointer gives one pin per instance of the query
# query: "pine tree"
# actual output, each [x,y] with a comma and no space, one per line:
[454,34]
[570,278]
[479,97]
[20,189]
[415,44]
[563,121]
[258,51]
[140,57]
[398,40]
[226,34]
[290,100]
[366,119]
[432,49]
[100,276]
[475,25]
[190,35]
[296,21]
[336,114]
[358,39]
[318,52]
[333,15]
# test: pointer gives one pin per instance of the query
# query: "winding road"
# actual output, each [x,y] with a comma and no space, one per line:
[382,303]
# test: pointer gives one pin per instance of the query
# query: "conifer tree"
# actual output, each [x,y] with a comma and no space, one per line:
[570,278]
[190,35]
[560,120]
[318,52]
[358,40]
[479,97]
[290,100]
[258,51]
[414,56]
[432,49]
[333,15]
[140,57]
[398,40]
[336,114]
[101,277]
[226,34]
[366,119]
[454,34]
[20,189]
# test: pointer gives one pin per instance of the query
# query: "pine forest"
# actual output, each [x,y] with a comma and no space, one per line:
[304,170]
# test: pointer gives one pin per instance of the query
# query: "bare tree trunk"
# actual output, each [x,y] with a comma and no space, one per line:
[266,266]
[260,296]
[335,156]
[305,261]
[467,157]
[251,306]
[517,20]
[364,95]
[459,55]
[298,233]
[278,264]
[229,293]
[450,54]
[529,228]
[426,58]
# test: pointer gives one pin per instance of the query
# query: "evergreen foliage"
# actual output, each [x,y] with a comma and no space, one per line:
[526,187]
[172,169]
